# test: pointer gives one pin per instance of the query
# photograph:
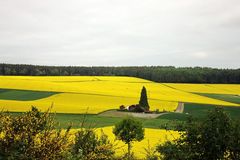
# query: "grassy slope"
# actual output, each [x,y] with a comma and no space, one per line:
[199,111]
[224,97]
[93,120]
[100,121]
[169,120]
[22,95]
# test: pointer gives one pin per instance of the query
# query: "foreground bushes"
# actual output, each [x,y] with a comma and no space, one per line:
[33,136]
[216,138]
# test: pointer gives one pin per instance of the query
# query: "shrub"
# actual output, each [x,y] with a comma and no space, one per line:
[234,143]
[216,138]
[91,147]
[31,136]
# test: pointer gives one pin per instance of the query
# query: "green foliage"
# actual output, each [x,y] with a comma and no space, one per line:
[143,102]
[215,135]
[171,151]
[31,136]
[91,147]
[234,143]
[129,130]
[126,156]
[215,138]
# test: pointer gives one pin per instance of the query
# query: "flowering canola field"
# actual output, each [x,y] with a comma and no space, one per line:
[95,94]
[152,137]
[208,88]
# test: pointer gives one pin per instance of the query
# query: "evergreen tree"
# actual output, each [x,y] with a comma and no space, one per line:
[143,102]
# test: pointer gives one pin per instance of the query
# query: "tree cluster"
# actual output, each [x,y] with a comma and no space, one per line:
[216,138]
[153,73]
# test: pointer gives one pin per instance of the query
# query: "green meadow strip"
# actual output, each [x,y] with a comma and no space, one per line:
[225,97]
[23,95]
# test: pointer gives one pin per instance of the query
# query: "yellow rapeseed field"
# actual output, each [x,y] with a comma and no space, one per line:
[81,103]
[208,88]
[94,94]
[152,137]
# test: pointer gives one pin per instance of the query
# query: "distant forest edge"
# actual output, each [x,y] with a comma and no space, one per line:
[168,74]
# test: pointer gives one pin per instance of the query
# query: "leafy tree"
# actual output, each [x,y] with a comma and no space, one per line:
[215,138]
[234,144]
[129,130]
[143,102]
[215,135]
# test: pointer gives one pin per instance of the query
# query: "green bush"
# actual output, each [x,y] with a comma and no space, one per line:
[31,136]
[216,138]
[91,147]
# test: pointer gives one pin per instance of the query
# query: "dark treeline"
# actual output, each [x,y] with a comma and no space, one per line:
[154,73]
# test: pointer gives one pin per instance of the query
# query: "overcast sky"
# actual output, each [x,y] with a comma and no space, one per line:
[121,32]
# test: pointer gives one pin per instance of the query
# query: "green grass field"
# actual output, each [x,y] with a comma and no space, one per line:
[199,111]
[23,95]
[224,97]
[94,120]
[170,120]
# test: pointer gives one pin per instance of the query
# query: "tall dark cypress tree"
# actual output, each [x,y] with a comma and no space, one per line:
[143,102]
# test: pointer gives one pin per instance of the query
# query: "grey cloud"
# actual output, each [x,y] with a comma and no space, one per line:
[112,32]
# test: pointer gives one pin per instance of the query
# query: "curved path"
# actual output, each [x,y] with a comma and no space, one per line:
[180,107]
